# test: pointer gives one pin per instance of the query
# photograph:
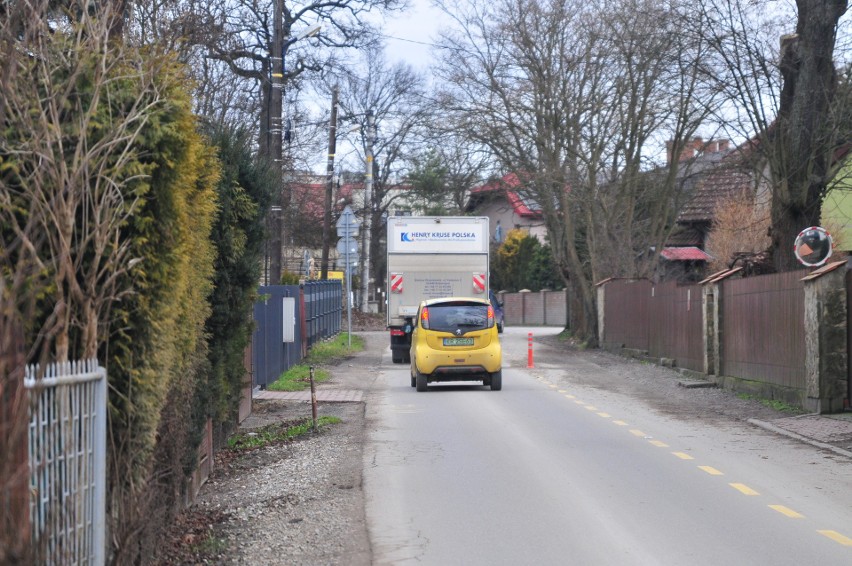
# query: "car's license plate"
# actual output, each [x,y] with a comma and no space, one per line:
[458,341]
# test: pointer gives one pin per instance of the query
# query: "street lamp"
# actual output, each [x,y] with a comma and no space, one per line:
[310,31]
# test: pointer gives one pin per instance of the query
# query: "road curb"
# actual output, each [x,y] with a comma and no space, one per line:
[778,430]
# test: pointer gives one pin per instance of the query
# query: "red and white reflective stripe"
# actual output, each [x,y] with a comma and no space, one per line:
[478,282]
[396,283]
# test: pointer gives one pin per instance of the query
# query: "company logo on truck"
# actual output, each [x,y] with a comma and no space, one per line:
[438,236]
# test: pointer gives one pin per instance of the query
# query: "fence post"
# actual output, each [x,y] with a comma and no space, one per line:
[302,320]
[601,292]
[825,339]
[708,315]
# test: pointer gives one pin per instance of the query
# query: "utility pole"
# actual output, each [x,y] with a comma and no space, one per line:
[274,137]
[368,216]
[329,187]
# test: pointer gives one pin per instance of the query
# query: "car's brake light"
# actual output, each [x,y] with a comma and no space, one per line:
[490,316]
[424,318]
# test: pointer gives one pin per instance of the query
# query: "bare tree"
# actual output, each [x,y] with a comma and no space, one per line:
[574,97]
[441,176]
[786,96]
[257,42]
[739,227]
[395,94]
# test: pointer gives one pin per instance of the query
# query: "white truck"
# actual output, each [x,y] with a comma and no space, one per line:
[431,257]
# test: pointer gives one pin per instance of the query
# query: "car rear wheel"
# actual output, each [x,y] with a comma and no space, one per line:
[419,380]
[497,380]
[500,328]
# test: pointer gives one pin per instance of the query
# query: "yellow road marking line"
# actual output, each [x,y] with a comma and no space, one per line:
[577,401]
[604,415]
[683,455]
[562,391]
[743,488]
[570,397]
[787,511]
[837,537]
[659,443]
[619,423]
[591,408]
[711,470]
[552,386]
[636,432]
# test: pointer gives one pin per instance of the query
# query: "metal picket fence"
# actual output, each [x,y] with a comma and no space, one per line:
[67,457]
[323,309]
[289,320]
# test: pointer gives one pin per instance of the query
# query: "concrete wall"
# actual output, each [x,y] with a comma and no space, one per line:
[542,308]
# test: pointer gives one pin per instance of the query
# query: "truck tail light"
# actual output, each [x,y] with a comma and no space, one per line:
[424,318]
[397,332]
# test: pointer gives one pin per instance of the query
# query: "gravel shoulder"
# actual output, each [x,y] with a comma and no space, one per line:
[294,503]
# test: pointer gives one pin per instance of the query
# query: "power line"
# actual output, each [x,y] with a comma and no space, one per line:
[427,44]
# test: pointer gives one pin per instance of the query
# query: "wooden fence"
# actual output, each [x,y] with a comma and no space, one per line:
[764,329]
[776,333]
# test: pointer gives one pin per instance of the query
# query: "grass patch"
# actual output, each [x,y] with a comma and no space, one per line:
[211,545]
[775,404]
[569,337]
[298,377]
[565,335]
[334,349]
[277,432]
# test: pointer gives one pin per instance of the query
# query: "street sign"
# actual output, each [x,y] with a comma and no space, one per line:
[349,245]
[347,225]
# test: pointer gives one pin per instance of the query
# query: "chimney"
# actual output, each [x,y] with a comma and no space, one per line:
[695,147]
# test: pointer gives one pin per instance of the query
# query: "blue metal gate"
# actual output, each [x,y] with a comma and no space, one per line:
[289,319]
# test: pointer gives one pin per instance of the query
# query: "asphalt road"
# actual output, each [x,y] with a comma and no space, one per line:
[551,471]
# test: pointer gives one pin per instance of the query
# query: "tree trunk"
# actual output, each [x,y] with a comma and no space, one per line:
[584,321]
[803,143]
[14,469]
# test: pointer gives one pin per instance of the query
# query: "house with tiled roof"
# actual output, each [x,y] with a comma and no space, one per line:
[503,201]
[713,173]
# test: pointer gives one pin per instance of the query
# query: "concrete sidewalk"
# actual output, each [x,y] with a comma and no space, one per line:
[326,395]
[831,432]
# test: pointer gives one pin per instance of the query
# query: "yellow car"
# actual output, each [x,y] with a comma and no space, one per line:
[455,339]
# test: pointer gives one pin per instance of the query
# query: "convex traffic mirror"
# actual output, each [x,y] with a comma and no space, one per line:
[813,246]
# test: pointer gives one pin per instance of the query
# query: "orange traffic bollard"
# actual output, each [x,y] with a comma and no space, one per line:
[530,363]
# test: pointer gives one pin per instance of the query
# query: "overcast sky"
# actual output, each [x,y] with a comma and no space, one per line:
[415,27]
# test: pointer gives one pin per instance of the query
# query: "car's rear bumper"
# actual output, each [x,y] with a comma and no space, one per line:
[454,373]
[440,363]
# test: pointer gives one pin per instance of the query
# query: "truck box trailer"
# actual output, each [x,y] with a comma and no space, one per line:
[431,257]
